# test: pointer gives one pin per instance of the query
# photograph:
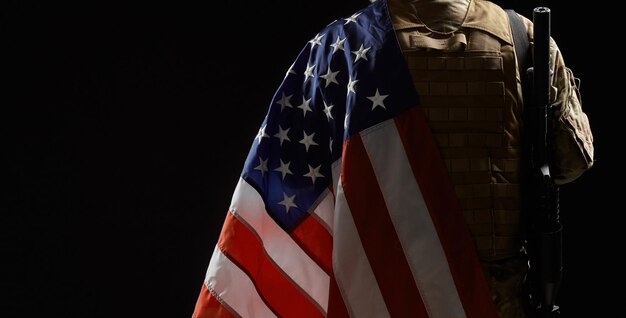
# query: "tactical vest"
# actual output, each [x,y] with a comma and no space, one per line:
[469,91]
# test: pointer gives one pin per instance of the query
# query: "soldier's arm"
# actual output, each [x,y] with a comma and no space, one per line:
[572,140]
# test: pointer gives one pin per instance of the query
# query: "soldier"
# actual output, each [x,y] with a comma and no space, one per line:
[347,203]
[462,60]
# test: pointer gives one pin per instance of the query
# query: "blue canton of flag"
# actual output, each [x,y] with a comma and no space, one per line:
[322,101]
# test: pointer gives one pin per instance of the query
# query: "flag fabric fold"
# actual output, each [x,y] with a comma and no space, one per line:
[344,207]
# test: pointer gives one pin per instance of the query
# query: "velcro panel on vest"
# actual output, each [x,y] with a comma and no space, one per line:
[470,99]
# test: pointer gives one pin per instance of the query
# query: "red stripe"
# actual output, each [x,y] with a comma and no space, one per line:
[336,306]
[378,234]
[446,213]
[208,306]
[280,293]
[315,240]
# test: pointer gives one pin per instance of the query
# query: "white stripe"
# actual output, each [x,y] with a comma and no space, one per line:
[412,221]
[232,287]
[281,248]
[351,267]
[324,211]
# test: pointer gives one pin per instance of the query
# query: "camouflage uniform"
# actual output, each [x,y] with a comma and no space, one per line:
[469,85]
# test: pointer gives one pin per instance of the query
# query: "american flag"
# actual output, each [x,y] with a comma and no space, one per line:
[344,207]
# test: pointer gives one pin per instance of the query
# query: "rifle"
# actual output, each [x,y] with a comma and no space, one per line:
[544,235]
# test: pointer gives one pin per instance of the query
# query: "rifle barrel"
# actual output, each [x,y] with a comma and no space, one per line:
[541,81]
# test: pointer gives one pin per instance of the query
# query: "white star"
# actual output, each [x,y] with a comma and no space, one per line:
[361,53]
[327,111]
[284,102]
[262,134]
[330,77]
[284,168]
[314,173]
[351,86]
[309,71]
[338,45]
[316,40]
[282,134]
[307,141]
[377,100]
[287,202]
[305,106]
[262,166]
[352,18]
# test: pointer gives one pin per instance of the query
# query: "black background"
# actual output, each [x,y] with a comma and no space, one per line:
[128,126]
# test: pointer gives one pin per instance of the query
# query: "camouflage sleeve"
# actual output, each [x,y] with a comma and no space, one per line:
[572,140]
